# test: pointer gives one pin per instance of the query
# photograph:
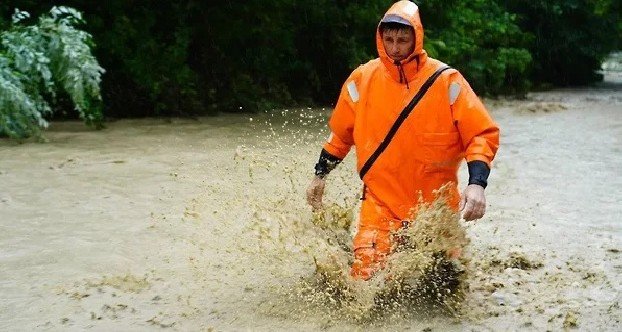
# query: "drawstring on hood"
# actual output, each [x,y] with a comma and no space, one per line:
[400,70]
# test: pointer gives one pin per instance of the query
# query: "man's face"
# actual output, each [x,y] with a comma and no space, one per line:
[398,43]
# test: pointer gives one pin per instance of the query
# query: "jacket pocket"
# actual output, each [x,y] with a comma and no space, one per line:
[442,151]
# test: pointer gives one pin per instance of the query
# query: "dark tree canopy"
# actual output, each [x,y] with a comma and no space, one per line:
[195,57]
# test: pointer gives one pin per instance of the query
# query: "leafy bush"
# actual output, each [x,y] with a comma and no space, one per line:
[146,48]
[570,38]
[39,61]
[482,40]
[191,57]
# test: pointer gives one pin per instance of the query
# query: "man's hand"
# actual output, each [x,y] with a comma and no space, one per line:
[315,191]
[473,202]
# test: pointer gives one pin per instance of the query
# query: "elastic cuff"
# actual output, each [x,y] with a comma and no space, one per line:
[326,163]
[478,173]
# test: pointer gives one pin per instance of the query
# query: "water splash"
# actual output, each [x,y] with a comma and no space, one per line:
[424,276]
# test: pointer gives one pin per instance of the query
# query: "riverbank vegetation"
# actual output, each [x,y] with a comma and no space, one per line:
[191,57]
[44,67]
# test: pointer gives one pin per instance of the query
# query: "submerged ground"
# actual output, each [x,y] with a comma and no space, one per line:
[201,225]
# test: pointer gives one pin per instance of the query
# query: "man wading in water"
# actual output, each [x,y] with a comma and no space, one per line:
[412,120]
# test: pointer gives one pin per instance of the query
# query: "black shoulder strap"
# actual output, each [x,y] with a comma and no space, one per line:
[400,119]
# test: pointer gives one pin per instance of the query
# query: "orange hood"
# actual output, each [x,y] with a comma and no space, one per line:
[408,12]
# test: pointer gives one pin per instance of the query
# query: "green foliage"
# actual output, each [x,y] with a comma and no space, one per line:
[203,57]
[272,53]
[570,38]
[333,39]
[147,50]
[37,61]
[481,39]
[21,114]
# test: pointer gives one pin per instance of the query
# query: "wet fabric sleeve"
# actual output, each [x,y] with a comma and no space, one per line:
[479,133]
[341,122]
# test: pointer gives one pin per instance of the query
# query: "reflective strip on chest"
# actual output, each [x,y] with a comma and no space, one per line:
[454,91]
[353,91]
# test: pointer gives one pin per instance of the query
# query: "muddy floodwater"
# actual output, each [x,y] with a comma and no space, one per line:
[202,225]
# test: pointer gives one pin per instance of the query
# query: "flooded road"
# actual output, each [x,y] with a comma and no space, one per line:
[203,225]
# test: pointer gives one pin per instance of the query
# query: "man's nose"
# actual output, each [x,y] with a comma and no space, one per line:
[392,48]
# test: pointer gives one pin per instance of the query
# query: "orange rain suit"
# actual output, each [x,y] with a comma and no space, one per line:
[448,124]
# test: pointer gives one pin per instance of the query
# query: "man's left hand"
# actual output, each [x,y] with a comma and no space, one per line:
[473,202]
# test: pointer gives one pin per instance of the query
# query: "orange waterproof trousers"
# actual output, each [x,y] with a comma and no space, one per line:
[373,241]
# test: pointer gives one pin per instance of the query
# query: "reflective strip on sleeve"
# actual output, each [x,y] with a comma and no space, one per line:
[330,137]
[454,91]
[354,93]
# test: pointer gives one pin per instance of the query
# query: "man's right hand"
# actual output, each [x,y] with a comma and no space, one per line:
[315,191]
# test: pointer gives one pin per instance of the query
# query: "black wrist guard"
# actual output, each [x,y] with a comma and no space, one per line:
[478,173]
[326,163]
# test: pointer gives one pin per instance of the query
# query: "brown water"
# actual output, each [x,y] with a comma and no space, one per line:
[199,225]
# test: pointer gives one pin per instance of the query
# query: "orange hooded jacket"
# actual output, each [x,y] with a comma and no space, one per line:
[448,124]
